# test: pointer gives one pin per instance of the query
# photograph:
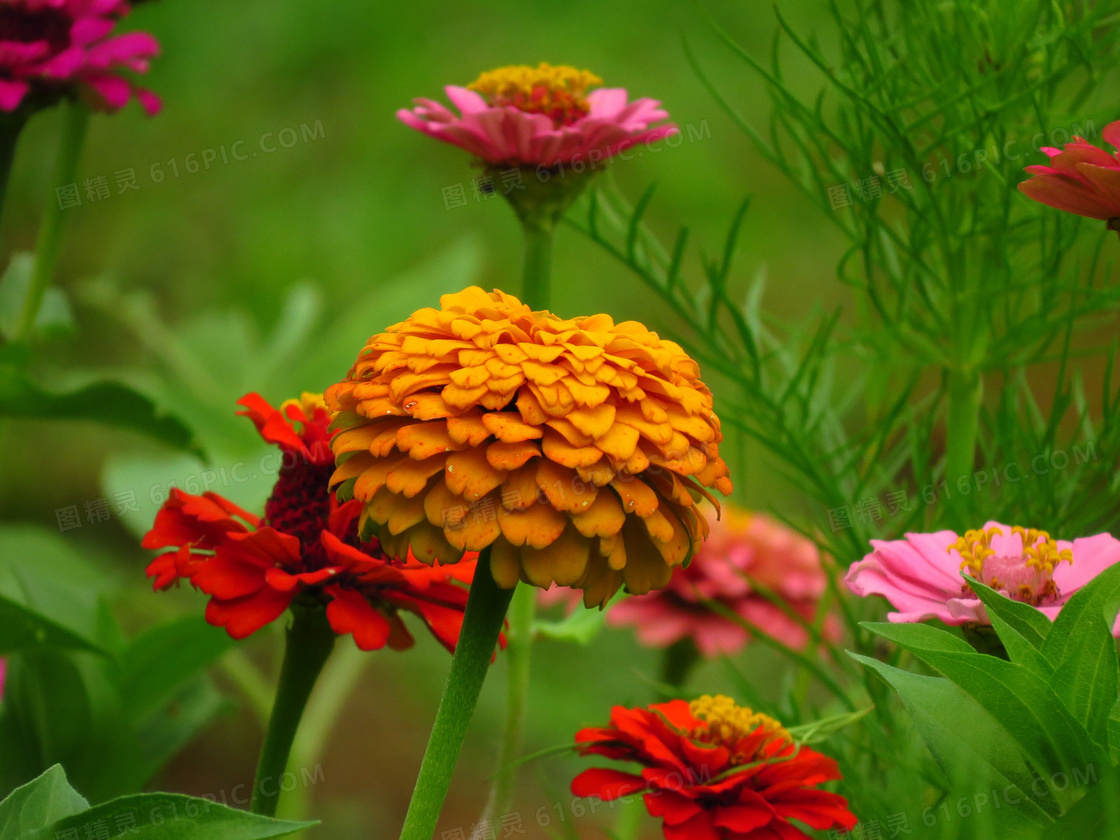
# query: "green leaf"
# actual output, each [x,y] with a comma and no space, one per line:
[1027,708]
[22,628]
[1083,652]
[1095,815]
[580,627]
[965,740]
[168,816]
[1021,627]
[108,403]
[1100,598]
[819,730]
[159,662]
[40,802]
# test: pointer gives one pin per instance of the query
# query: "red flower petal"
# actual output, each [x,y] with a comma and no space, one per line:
[349,612]
[606,784]
[244,616]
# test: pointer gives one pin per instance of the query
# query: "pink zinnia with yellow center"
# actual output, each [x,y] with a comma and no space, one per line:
[539,116]
[921,574]
[50,48]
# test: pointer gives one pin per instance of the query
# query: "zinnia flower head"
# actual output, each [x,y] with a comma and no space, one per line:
[745,552]
[49,48]
[713,770]
[1081,178]
[539,116]
[306,547]
[921,574]
[575,449]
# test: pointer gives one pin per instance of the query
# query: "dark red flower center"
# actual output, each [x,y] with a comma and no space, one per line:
[300,505]
[26,25]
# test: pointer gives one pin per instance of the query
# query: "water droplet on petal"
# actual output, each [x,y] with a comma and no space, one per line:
[451,468]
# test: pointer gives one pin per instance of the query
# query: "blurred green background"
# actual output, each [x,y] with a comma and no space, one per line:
[269,273]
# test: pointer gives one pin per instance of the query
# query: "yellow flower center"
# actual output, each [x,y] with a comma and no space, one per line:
[559,93]
[308,402]
[1024,571]
[726,724]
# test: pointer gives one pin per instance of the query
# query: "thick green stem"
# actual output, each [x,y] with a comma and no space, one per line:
[74,124]
[10,127]
[482,623]
[966,390]
[309,644]
[537,269]
[677,662]
[519,657]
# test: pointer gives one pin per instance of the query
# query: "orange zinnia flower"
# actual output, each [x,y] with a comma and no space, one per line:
[575,449]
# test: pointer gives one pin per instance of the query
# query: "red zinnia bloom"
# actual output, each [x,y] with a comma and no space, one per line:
[50,47]
[714,771]
[306,546]
[1081,178]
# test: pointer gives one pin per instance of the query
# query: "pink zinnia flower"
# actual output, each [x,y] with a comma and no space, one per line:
[921,574]
[744,552]
[539,116]
[1081,178]
[49,47]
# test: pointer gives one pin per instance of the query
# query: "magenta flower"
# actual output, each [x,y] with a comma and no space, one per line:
[3,673]
[52,47]
[921,574]
[745,551]
[1081,179]
[539,116]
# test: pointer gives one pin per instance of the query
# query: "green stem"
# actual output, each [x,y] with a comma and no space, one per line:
[74,125]
[537,268]
[677,662]
[482,623]
[629,818]
[310,641]
[966,390]
[519,657]
[336,684]
[10,127]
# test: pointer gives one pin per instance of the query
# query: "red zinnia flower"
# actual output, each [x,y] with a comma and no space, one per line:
[306,547]
[1081,178]
[49,47]
[714,771]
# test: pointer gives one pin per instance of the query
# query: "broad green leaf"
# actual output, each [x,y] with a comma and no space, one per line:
[1086,672]
[109,403]
[964,738]
[1094,814]
[168,816]
[1100,598]
[1028,708]
[1021,627]
[22,628]
[158,662]
[40,802]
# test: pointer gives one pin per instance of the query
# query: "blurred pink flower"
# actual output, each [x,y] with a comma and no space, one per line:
[744,550]
[3,670]
[49,47]
[1081,178]
[921,574]
[539,116]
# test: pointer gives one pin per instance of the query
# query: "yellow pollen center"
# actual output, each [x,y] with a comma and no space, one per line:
[726,724]
[1027,577]
[559,93]
[308,402]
